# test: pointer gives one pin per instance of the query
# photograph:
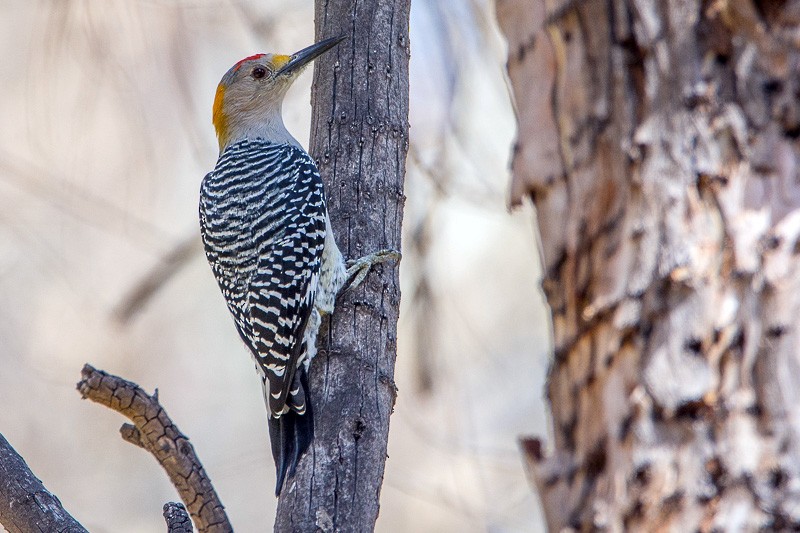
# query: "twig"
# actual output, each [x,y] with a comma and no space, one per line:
[25,504]
[154,431]
[177,518]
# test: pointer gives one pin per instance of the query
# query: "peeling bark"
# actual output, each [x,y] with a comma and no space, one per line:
[659,144]
[359,139]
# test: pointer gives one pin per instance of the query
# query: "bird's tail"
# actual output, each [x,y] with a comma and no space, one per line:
[290,434]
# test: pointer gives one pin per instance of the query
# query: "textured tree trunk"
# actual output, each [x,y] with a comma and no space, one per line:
[659,143]
[359,139]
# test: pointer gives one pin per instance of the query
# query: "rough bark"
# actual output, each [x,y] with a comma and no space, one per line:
[25,504]
[154,431]
[177,518]
[659,143]
[359,139]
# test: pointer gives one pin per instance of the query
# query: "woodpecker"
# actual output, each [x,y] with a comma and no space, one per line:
[267,236]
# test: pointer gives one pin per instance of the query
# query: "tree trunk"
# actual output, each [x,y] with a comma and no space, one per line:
[359,139]
[659,143]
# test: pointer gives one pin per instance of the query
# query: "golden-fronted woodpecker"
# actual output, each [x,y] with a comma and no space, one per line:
[268,239]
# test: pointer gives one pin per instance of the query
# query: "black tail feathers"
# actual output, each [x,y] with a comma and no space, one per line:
[290,435]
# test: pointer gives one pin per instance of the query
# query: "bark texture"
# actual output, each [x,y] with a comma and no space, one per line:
[659,143]
[177,518]
[25,504]
[359,139]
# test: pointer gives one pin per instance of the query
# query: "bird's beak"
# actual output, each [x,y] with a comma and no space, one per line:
[307,55]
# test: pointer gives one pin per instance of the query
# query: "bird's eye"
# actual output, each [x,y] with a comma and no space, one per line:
[259,72]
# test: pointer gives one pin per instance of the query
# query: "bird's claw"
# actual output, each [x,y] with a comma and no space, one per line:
[357,269]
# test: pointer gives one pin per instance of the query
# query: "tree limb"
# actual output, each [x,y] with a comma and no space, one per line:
[177,518]
[25,504]
[154,431]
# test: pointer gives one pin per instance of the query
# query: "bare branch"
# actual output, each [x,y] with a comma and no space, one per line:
[177,518]
[129,433]
[154,431]
[25,504]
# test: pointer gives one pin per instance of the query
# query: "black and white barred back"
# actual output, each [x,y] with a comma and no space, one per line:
[263,223]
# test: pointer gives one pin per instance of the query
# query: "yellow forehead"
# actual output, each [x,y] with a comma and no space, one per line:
[280,60]
[274,60]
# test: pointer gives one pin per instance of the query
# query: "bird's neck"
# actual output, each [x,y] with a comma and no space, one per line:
[269,128]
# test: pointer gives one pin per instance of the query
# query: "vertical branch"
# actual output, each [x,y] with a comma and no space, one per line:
[359,139]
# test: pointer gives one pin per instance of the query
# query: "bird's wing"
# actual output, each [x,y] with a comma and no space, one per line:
[282,298]
[282,295]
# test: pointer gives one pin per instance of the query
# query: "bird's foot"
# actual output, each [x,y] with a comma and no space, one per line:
[357,269]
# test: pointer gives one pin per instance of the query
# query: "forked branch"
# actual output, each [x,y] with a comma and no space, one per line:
[153,430]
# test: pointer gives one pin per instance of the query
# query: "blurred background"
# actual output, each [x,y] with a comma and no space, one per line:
[105,134]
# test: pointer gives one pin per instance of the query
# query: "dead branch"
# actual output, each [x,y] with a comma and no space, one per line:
[153,430]
[25,504]
[177,518]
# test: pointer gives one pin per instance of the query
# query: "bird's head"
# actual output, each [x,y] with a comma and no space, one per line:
[249,97]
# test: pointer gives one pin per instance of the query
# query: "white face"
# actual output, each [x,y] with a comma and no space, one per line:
[249,97]
[250,94]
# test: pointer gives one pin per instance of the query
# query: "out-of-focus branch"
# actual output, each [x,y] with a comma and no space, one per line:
[84,205]
[153,430]
[177,518]
[25,504]
[157,277]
